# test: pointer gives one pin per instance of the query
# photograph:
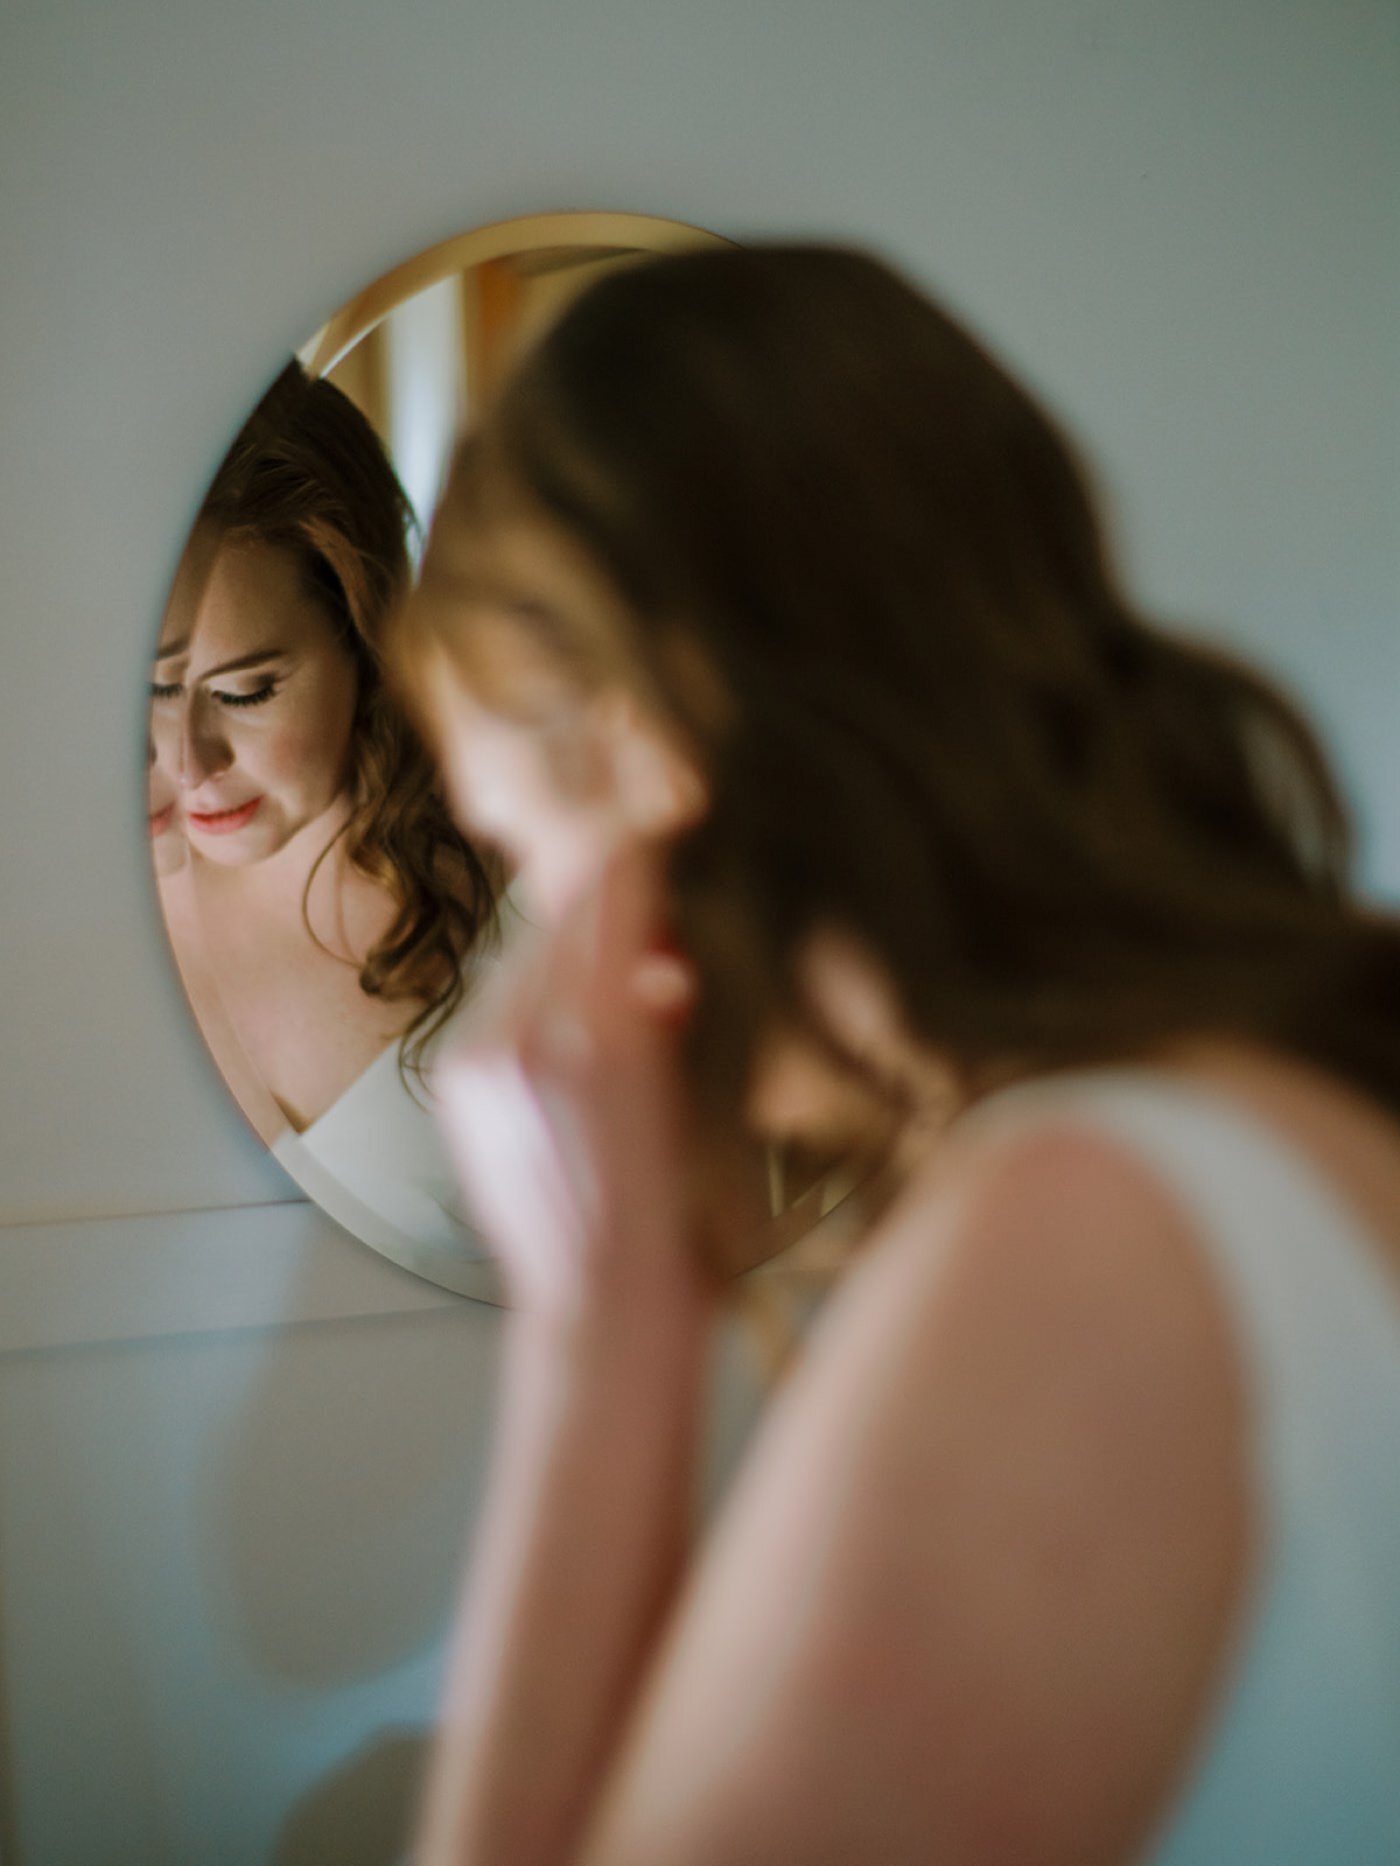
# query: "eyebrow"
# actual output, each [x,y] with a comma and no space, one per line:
[238,666]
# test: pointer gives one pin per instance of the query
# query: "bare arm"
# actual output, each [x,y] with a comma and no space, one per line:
[565,1123]
[970,1601]
[970,1598]
[585,1531]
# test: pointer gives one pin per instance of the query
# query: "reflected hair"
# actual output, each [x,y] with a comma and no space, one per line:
[308,474]
[864,578]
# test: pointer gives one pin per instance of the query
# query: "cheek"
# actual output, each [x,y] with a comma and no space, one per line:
[518,790]
[163,747]
[161,786]
[307,749]
[506,784]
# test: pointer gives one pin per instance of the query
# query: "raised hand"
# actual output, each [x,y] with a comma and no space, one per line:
[563,1110]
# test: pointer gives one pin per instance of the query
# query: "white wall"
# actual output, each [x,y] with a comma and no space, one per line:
[237,1454]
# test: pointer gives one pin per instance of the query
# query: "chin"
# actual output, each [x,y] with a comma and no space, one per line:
[239,851]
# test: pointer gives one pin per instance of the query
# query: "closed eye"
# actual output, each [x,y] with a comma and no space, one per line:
[255,698]
[171,690]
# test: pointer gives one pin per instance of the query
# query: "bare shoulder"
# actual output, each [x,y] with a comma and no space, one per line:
[972,1595]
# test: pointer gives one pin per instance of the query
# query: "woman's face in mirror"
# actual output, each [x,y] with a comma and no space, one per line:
[162,810]
[253,704]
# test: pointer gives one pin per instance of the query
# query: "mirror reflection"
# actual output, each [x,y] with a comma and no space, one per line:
[326,916]
[331,926]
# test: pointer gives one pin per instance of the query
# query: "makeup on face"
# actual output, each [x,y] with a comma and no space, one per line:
[252,705]
[223,822]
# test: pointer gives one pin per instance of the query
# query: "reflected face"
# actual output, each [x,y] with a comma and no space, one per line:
[556,772]
[162,811]
[252,705]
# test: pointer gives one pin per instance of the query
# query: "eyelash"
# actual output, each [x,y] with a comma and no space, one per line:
[248,699]
[169,690]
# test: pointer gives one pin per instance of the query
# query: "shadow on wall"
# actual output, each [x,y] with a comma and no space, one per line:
[335,1509]
[363,1813]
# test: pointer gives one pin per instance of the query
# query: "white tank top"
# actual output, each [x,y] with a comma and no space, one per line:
[1297,1762]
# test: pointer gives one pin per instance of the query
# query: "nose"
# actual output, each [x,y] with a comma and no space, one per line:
[205,751]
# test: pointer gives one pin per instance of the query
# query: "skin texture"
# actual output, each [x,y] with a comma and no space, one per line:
[559,781]
[252,703]
[971,1596]
[279,1001]
[166,828]
[980,1568]
[564,1114]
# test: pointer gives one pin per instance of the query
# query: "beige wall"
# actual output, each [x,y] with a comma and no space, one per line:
[237,1454]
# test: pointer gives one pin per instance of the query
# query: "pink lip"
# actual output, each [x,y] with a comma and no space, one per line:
[160,819]
[223,822]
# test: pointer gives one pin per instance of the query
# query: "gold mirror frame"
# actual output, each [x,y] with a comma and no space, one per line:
[572,231]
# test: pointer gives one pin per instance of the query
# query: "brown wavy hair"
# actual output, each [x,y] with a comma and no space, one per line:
[929,714]
[308,474]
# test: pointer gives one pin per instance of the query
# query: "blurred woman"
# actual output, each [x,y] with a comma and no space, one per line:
[768,623]
[327,913]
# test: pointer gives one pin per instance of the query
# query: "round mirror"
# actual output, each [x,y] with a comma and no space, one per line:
[332,928]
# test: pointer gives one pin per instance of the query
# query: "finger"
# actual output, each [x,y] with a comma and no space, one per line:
[628,932]
[665,986]
[590,970]
[523,1168]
